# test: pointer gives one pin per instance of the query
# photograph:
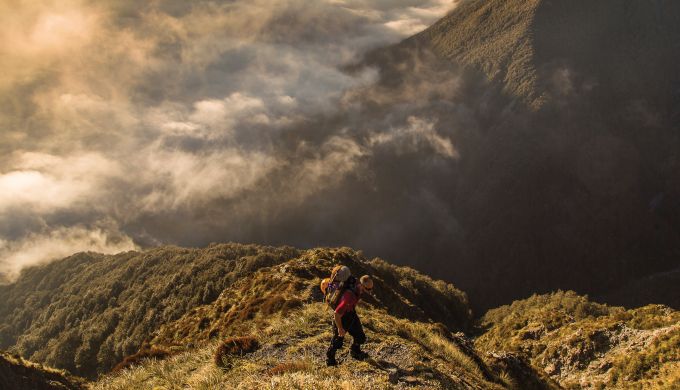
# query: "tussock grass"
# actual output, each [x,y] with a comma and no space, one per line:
[144,354]
[291,355]
[234,347]
[290,367]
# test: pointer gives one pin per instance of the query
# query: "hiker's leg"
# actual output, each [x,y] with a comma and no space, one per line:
[336,343]
[357,332]
[359,337]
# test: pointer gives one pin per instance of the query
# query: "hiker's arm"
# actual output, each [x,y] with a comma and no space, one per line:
[338,323]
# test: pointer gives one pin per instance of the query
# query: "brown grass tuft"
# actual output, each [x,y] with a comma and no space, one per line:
[143,354]
[283,368]
[234,347]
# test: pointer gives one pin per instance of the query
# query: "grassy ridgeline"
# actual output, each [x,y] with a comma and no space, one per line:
[292,351]
[87,312]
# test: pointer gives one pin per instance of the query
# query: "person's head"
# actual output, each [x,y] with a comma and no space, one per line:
[366,283]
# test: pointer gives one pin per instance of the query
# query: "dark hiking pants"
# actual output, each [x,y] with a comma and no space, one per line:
[352,324]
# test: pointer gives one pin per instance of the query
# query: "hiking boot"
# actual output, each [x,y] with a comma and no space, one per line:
[331,362]
[330,359]
[358,354]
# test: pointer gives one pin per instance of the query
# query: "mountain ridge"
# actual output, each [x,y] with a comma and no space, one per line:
[532,46]
[421,331]
[90,311]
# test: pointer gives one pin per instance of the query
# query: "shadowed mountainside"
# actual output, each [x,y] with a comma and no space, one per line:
[18,374]
[546,50]
[641,291]
[567,169]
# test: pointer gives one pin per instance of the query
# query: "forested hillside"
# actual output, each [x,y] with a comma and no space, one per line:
[86,312]
[89,311]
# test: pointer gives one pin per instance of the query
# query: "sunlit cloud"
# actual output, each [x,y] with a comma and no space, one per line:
[39,248]
[411,138]
[46,183]
[126,111]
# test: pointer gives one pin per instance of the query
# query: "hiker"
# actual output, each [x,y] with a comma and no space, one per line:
[346,320]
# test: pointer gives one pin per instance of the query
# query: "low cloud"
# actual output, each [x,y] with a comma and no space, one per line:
[226,119]
[413,137]
[39,248]
[46,183]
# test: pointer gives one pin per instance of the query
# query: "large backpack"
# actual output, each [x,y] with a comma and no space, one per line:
[339,282]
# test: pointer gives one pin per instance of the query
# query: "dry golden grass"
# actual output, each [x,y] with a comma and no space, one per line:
[143,354]
[290,367]
[281,306]
[234,347]
[291,355]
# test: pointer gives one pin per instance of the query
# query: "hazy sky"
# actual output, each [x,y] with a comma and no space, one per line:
[126,124]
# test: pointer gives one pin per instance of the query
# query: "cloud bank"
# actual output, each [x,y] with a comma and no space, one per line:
[129,124]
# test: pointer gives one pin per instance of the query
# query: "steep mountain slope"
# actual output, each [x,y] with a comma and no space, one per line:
[542,50]
[163,317]
[87,312]
[582,344]
[270,330]
[492,36]
[564,115]
[18,374]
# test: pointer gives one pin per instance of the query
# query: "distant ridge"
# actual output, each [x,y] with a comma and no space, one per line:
[528,45]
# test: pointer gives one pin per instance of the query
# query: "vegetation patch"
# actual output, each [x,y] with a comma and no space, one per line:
[647,363]
[583,344]
[290,367]
[89,311]
[234,347]
[145,353]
